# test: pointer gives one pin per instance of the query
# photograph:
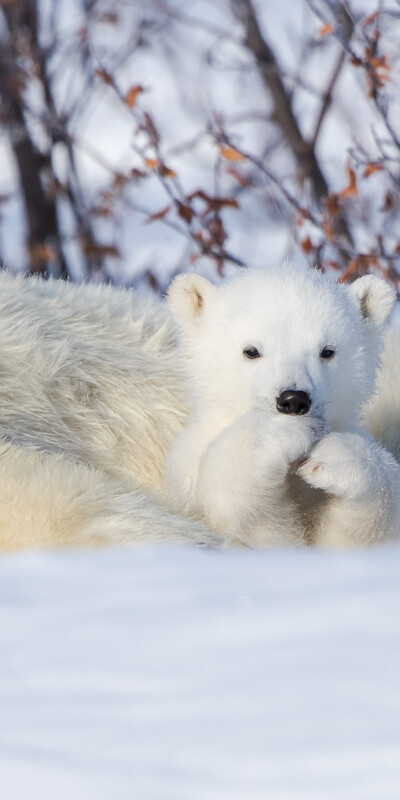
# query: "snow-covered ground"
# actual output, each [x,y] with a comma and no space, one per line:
[190,675]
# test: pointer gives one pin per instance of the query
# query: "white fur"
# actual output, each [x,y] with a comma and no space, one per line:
[47,500]
[92,397]
[90,401]
[382,412]
[262,476]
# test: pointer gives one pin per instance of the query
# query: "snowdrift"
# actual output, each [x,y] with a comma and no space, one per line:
[183,674]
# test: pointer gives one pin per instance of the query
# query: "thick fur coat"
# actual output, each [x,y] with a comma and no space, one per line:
[91,399]
[93,396]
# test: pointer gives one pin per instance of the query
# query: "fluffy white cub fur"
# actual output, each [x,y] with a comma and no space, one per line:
[250,470]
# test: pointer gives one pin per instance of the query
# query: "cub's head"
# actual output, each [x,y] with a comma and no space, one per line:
[289,340]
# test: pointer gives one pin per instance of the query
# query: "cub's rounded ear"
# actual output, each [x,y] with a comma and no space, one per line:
[375,296]
[188,295]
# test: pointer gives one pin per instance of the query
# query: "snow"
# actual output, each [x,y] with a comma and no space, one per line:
[183,674]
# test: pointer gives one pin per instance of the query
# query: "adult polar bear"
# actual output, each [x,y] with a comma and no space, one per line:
[92,397]
[90,400]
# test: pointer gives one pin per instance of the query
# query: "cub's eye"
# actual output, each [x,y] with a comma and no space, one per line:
[251,352]
[327,353]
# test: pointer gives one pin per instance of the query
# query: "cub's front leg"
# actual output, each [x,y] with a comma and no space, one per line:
[364,482]
[242,488]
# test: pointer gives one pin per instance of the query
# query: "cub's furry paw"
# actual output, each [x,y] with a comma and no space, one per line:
[342,464]
[296,436]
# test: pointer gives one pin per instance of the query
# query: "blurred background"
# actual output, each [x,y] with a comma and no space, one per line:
[139,139]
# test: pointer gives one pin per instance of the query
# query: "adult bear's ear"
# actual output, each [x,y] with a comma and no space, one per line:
[188,295]
[375,296]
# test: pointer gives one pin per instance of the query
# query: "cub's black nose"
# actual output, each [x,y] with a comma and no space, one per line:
[292,401]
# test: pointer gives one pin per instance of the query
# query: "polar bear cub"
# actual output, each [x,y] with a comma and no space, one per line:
[280,365]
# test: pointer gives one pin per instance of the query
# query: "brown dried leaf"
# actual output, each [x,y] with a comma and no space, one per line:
[372,167]
[388,202]
[185,211]
[378,71]
[370,19]
[104,76]
[201,194]
[326,29]
[379,62]
[359,266]
[166,172]
[94,250]
[119,182]
[214,203]
[231,154]
[132,95]
[301,215]
[327,229]
[158,215]
[307,245]
[101,211]
[241,179]
[152,163]
[155,163]
[332,204]
[351,189]
[350,272]
[137,173]
[151,128]
[217,230]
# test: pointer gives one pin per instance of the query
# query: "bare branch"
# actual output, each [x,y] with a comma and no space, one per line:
[269,70]
[327,99]
[302,149]
[44,241]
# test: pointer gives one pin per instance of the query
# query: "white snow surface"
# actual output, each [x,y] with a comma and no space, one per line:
[182,674]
